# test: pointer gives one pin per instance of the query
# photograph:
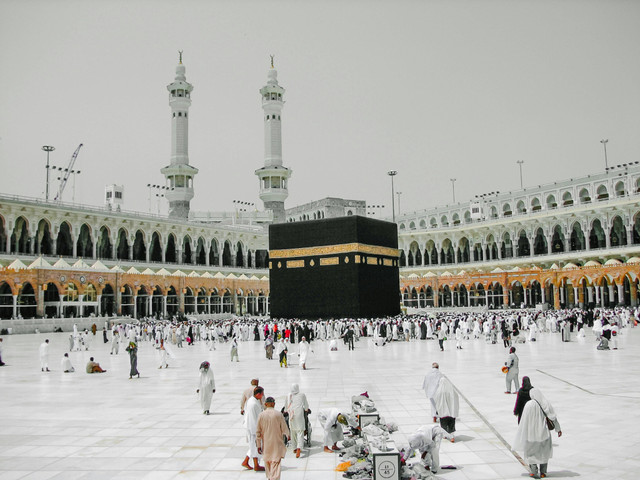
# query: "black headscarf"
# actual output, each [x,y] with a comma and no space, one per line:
[523,397]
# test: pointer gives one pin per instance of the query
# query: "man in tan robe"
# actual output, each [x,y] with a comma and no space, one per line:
[247,394]
[270,434]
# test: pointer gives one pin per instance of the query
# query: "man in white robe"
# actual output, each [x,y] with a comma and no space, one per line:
[296,407]
[303,351]
[207,387]
[252,411]
[44,356]
[430,385]
[332,421]
[426,440]
[533,436]
[447,405]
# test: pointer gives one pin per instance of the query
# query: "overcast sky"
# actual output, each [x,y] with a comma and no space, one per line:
[432,89]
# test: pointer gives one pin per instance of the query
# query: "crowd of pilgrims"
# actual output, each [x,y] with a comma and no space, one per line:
[506,327]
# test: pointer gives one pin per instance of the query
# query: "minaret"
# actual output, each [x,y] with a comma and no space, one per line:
[273,176]
[179,173]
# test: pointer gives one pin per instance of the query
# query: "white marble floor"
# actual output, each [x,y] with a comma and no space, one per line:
[72,426]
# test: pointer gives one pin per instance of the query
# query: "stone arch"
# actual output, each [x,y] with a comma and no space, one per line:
[44,240]
[520,207]
[597,236]
[444,221]
[157,302]
[239,255]
[402,226]
[26,301]
[64,243]
[567,199]
[492,248]
[431,253]
[108,300]
[20,241]
[172,301]
[142,302]
[433,222]
[551,202]
[524,246]
[403,259]
[464,252]
[139,247]
[51,300]
[187,256]
[412,225]
[535,204]
[493,211]
[619,189]
[6,301]
[126,300]
[577,240]
[414,250]
[84,245]
[618,232]
[214,253]
[447,255]
[201,252]
[202,301]
[506,210]
[467,216]
[506,247]
[557,240]
[104,249]
[456,219]
[602,193]
[423,223]
[171,254]
[122,245]
[226,254]
[584,196]
[540,243]
[189,300]
[155,247]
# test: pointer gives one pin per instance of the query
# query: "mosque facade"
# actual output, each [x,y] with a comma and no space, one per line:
[570,243]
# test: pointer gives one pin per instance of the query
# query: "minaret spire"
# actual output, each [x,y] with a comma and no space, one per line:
[273,176]
[179,174]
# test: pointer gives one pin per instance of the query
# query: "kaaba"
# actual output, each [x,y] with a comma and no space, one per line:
[334,268]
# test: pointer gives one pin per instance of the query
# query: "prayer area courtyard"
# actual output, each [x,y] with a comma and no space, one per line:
[105,426]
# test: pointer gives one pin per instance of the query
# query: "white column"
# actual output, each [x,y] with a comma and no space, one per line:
[611,293]
[597,290]
[164,305]
[621,294]
[562,288]
[99,306]
[542,294]
[590,294]
[135,305]
[81,305]
[575,296]
[15,306]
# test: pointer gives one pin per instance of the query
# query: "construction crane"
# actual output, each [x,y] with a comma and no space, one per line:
[67,173]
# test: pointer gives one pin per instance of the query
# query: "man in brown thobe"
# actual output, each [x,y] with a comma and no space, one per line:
[270,434]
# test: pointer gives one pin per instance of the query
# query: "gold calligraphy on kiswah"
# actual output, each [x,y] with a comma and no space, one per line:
[334,250]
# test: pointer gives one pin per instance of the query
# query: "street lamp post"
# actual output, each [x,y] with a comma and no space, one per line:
[48,149]
[393,173]
[453,188]
[604,142]
[398,193]
[520,162]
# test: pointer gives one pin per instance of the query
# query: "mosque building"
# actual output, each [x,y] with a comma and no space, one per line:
[571,243]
